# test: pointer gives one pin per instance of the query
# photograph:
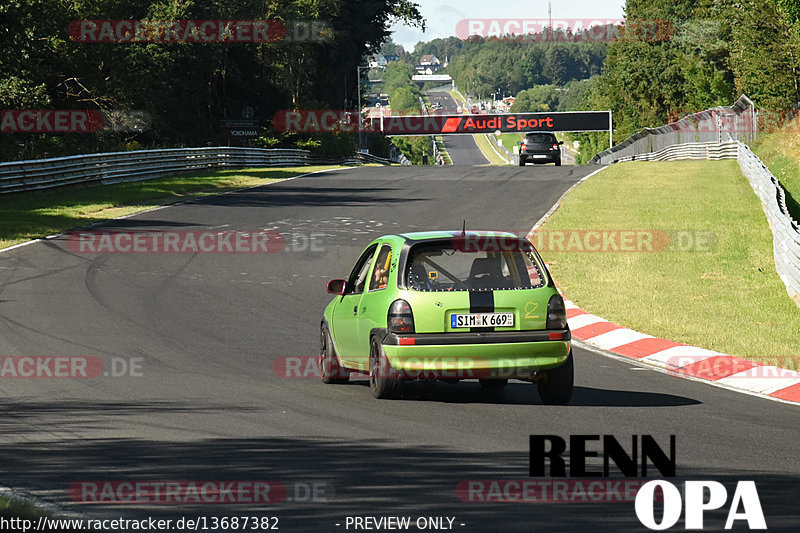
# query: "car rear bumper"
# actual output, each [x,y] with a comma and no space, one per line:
[548,157]
[507,354]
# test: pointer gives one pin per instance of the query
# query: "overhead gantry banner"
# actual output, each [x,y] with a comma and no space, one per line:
[329,121]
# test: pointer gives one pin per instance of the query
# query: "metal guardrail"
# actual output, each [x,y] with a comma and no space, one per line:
[140,165]
[719,125]
[785,230]
[711,152]
[356,159]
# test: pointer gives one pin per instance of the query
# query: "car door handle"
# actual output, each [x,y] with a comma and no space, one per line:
[355,311]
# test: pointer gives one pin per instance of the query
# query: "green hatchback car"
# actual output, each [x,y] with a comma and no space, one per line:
[448,306]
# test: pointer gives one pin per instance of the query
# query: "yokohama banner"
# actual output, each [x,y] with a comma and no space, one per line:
[331,121]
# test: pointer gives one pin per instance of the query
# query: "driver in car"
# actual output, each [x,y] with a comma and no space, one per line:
[381,274]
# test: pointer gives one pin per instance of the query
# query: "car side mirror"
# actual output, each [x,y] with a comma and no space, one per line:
[560,142]
[519,142]
[336,286]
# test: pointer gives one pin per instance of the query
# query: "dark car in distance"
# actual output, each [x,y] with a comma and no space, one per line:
[540,147]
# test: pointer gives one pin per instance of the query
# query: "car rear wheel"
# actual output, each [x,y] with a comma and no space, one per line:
[383,379]
[330,370]
[555,387]
[493,384]
[558,162]
[521,162]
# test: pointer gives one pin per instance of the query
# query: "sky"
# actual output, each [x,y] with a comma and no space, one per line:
[442,15]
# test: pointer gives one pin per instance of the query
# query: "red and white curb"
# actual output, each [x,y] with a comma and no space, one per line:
[685,361]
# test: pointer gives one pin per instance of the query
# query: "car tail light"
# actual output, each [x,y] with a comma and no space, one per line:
[524,147]
[556,313]
[555,147]
[400,318]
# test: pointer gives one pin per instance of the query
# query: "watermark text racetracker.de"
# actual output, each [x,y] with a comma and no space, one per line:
[550,491]
[576,30]
[56,121]
[181,492]
[714,367]
[727,121]
[192,242]
[592,241]
[69,367]
[199,31]
[422,368]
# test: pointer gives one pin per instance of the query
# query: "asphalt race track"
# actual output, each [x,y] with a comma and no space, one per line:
[205,403]
[461,148]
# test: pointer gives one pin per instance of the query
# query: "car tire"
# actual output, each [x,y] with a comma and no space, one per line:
[384,381]
[330,371]
[555,387]
[493,384]
[558,162]
[521,162]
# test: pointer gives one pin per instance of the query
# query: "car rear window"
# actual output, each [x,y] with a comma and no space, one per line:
[448,267]
[540,138]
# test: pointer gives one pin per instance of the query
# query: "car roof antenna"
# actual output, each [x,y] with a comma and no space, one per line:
[464,229]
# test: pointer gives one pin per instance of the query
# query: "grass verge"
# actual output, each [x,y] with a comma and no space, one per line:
[729,299]
[486,148]
[440,146]
[31,215]
[510,140]
[458,98]
[19,508]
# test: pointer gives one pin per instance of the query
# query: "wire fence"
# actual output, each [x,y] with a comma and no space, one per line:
[718,125]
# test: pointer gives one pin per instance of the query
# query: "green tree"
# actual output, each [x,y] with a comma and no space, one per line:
[718,50]
[404,100]
[397,74]
[414,147]
[185,87]
[487,65]
[762,64]
[444,49]
[522,103]
[536,99]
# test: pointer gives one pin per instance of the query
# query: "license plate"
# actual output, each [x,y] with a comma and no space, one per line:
[539,156]
[482,320]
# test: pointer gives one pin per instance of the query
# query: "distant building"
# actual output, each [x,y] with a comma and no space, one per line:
[392,57]
[423,69]
[377,60]
[505,104]
[429,60]
[428,64]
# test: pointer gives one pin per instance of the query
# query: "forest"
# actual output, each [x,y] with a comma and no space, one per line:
[178,93]
[181,90]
